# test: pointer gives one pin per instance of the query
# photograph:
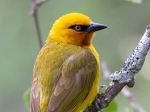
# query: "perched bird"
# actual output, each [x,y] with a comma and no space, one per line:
[67,69]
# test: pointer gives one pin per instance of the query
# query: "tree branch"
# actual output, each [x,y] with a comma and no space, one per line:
[124,91]
[125,76]
[33,13]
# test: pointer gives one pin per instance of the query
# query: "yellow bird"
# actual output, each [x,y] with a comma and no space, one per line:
[67,69]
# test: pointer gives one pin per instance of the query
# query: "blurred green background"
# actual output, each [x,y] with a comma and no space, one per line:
[19,47]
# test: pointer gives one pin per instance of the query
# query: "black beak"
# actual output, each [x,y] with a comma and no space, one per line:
[95,27]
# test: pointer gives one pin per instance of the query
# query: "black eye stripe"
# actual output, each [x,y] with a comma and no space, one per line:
[82,27]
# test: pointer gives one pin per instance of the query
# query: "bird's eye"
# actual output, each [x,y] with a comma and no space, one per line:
[78,28]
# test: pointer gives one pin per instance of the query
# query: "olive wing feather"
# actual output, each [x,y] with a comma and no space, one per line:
[77,76]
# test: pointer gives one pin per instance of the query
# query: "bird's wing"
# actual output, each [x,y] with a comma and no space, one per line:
[35,96]
[77,77]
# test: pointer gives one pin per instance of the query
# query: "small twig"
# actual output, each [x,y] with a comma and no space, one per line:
[125,91]
[37,29]
[133,101]
[33,13]
[35,5]
[125,76]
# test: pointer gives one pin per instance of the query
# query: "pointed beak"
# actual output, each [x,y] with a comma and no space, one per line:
[95,27]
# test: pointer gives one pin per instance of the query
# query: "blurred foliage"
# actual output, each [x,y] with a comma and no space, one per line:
[26,97]
[112,107]
[19,47]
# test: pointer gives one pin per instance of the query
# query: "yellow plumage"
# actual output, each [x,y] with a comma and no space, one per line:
[67,70]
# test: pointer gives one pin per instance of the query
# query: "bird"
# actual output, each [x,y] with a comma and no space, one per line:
[66,72]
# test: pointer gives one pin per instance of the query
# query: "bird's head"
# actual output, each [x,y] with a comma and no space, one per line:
[74,28]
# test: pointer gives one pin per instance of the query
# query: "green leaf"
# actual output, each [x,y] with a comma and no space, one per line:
[26,97]
[112,107]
